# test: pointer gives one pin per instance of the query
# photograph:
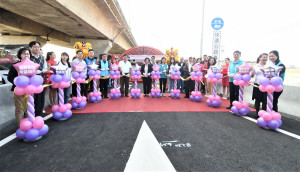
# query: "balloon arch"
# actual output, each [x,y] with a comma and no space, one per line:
[142,50]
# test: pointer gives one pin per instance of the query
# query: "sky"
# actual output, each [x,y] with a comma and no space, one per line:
[251,26]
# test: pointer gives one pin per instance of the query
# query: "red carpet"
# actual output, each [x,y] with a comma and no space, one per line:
[149,104]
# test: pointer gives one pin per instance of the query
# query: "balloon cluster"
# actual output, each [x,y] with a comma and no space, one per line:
[136,75]
[60,80]
[175,74]
[241,80]
[214,101]
[79,77]
[79,102]
[240,108]
[61,112]
[32,130]
[28,85]
[136,92]
[270,85]
[155,75]
[175,94]
[94,74]
[196,96]
[214,77]
[197,76]
[269,119]
[115,74]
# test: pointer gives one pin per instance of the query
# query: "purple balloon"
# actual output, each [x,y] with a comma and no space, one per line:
[211,75]
[178,95]
[173,73]
[66,78]
[92,73]
[152,94]
[246,78]
[67,114]
[20,133]
[81,104]
[261,122]
[197,98]
[264,81]
[132,72]
[117,73]
[138,73]
[138,94]
[279,122]
[57,78]
[133,95]
[99,98]
[157,94]
[276,81]
[112,72]
[98,72]
[75,75]
[21,81]
[172,94]
[32,134]
[243,111]
[153,73]
[82,75]
[74,105]
[215,103]
[219,75]
[93,99]
[200,98]
[52,78]
[36,80]
[234,110]
[208,102]
[57,115]
[193,74]
[237,77]
[192,98]
[112,95]
[43,130]
[273,124]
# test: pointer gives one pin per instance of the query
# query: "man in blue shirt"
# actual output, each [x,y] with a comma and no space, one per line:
[104,66]
[89,61]
[234,89]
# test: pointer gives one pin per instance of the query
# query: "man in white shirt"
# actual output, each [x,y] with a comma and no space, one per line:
[125,70]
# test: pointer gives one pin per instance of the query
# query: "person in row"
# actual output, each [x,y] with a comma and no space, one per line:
[50,59]
[104,67]
[146,70]
[225,79]
[89,61]
[163,76]
[78,59]
[125,70]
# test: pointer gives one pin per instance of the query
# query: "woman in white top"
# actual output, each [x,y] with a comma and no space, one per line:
[65,61]
[257,95]
[172,64]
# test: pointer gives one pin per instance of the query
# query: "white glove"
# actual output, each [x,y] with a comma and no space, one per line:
[123,74]
[144,74]
[103,69]
[231,75]
[148,74]
[107,69]
[127,75]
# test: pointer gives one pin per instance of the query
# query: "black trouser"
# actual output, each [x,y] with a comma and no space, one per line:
[147,81]
[234,92]
[103,86]
[74,89]
[189,87]
[202,87]
[124,80]
[275,100]
[39,102]
[257,106]
[86,88]
[163,84]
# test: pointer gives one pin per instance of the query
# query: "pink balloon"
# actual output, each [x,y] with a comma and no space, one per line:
[118,91]
[19,91]
[54,108]
[198,93]
[261,113]
[276,116]
[211,97]
[39,89]
[214,80]
[245,105]
[62,108]
[139,77]
[194,93]
[209,80]
[25,125]
[138,90]
[235,82]
[78,80]
[219,80]
[135,77]
[30,89]
[278,88]
[38,122]
[69,106]
[91,94]
[270,88]
[262,88]
[54,85]
[83,98]
[217,98]
[113,91]
[118,77]
[152,90]
[267,116]
[78,100]
[241,83]
[234,103]
[238,105]
[26,67]
[74,99]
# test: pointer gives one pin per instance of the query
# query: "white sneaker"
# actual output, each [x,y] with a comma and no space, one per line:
[224,98]
[161,94]
[44,111]
[164,94]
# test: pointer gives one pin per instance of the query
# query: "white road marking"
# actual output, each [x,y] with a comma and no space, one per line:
[278,129]
[13,136]
[147,155]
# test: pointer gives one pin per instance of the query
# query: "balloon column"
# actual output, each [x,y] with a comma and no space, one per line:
[215,77]
[31,128]
[175,74]
[155,75]
[135,74]
[79,75]
[95,74]
[115,74]
[270,83]
[61,80]
[241,79]
[196,75]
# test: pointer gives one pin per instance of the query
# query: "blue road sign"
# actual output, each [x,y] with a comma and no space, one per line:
[217,23]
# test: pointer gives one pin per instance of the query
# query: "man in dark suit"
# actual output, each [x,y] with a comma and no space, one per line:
[146,71]
[180,83]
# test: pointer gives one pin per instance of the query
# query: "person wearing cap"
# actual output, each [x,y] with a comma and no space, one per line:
[146,70]
[125,69]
